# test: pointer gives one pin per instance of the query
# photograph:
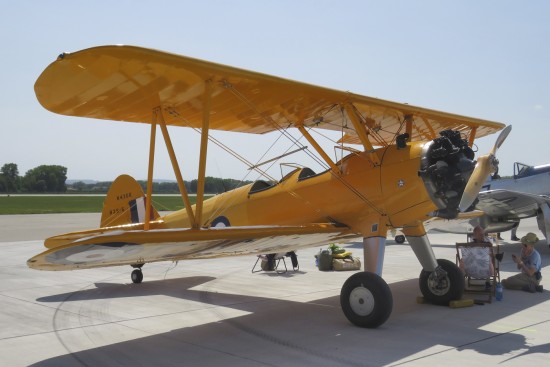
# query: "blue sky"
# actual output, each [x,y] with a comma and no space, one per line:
[486,59]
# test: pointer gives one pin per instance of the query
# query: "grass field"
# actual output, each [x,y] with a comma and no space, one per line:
[47,204]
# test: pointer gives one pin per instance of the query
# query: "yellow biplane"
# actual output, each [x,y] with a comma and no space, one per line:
[403,164]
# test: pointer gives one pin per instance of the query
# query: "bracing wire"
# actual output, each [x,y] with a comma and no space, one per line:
[283,132]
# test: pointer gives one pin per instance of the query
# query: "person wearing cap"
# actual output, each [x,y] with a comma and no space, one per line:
[529,264]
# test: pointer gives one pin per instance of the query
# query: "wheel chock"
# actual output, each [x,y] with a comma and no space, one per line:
[453,304]
[468,302]
[420,300]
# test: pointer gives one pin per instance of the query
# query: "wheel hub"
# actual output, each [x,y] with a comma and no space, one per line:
[361,301]
[439,285]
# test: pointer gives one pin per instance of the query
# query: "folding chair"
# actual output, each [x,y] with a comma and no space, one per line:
[481,270]
[270,262]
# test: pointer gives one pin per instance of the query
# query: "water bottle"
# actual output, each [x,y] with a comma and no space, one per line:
[499,289]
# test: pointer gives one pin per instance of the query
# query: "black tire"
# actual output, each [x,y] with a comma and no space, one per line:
[137,276]
[453,284]
[400,239]
[366,300]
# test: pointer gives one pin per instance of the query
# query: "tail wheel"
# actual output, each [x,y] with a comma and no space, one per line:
[400,238]
[366,300]
[137,276]
[441,290]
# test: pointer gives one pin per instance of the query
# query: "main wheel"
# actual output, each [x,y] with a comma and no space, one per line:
[366,300]
[400,238]
[137,276]
[448,288]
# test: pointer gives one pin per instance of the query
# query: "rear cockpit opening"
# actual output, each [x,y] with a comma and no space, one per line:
[300,174]
[306,173]
[260,185]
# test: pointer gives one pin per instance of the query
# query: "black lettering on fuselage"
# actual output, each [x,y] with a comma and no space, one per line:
[116,211]
[126,195]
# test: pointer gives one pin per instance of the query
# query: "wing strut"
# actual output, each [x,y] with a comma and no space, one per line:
[334,168]
[204,147]
[175,166]
[361,132]
[472,136]
[149,202]
[409,124]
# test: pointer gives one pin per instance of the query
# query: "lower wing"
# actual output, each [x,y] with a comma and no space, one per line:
[137,247]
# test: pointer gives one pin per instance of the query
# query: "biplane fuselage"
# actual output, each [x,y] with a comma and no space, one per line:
[411,161]
[302,196]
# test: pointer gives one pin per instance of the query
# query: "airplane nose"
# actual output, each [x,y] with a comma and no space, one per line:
[446,165]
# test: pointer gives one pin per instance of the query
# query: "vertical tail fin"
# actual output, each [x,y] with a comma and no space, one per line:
[125,203]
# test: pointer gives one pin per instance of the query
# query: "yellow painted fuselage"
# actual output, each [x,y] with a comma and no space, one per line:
[361,195]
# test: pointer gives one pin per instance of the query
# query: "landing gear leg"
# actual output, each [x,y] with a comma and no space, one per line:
[443,285]
[441,281]
[137,275]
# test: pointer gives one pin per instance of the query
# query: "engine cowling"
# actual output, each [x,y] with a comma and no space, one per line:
[446,165]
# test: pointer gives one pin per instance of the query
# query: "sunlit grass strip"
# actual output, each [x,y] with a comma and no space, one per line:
[74,204]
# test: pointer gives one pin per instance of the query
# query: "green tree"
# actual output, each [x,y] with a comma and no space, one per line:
[214,185]
[79,186]
[9,177]
[46,179]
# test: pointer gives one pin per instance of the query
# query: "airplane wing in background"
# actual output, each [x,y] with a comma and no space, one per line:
[499,211]
[510,204]
[137,247]
[505,205]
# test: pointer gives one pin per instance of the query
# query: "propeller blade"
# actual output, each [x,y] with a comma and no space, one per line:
[483,168]
[477,179]
[501,137]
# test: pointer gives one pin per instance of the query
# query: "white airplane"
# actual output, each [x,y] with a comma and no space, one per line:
[530,179]
[503,202]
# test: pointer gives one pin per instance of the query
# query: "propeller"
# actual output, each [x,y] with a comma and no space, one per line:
[483,168]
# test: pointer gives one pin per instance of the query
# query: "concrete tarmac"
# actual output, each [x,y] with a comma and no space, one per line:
[217,313]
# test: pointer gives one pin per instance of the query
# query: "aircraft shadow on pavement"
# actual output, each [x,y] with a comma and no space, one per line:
[283,332]
[170,287]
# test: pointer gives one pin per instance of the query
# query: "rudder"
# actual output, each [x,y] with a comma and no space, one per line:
[125,203]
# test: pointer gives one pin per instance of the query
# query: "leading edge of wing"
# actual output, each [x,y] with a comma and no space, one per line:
[126,83]
[510,204]
[138,246]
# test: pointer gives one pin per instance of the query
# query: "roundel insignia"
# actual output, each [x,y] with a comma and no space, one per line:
[400,183]
[220,222]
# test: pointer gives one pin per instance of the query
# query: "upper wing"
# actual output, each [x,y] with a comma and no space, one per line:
[505,204]
[136,247]
[126,83]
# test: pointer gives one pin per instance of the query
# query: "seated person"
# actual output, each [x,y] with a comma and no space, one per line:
[476,261]
[529,264]
[478,236]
